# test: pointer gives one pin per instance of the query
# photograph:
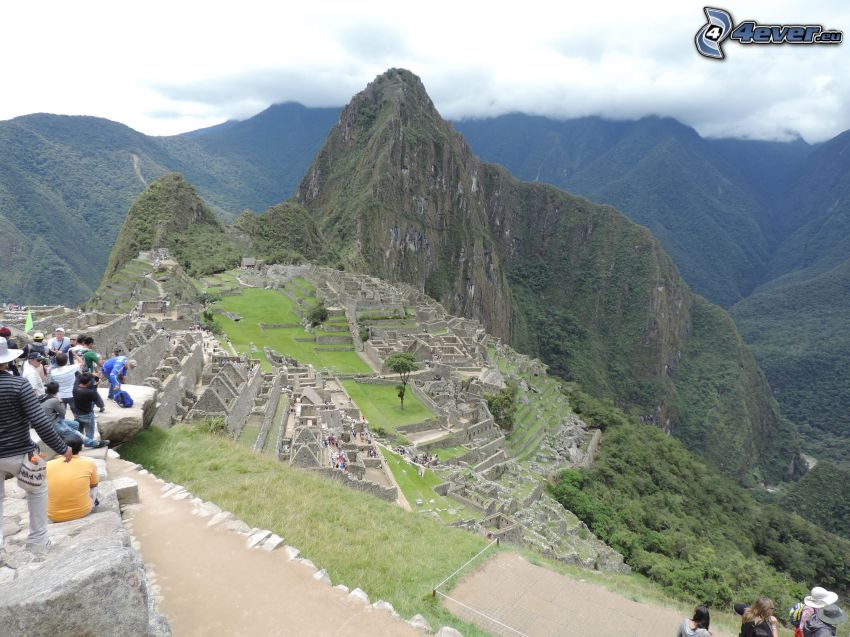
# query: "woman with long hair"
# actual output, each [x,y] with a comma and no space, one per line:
[697,626]
[758,619]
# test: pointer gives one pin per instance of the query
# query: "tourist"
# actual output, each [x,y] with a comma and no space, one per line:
[35,373]
[19,410]
[697,626]
[801,612]
[71,486]
[824,621]
[85,398]
[114,370]
[66,375]
[38,345]
[55,410]
[91,359]
[758,619]
[58,344]
[12,344]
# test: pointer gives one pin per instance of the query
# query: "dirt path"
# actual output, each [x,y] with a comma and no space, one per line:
[213,585]
[541,603]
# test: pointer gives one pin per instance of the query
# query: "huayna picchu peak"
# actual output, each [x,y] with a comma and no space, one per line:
[398,192]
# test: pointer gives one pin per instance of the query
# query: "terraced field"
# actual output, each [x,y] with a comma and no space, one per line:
[255,306]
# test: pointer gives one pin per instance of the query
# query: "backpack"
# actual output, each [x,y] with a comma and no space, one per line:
[122,398]
[795,613]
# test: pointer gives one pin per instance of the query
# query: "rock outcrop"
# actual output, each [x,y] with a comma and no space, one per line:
[90,583]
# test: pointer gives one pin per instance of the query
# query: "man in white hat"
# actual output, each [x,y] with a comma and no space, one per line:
[818,598]
[59,343]
[19,410]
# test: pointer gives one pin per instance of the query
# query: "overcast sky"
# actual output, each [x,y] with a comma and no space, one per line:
[169,67]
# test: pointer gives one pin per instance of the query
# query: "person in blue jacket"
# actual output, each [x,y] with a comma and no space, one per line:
[115,369]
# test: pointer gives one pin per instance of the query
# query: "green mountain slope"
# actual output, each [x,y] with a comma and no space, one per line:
[821,497]
[396,192]
[696,533]
[659,173]
[800,334]
[169,214]
[67,183]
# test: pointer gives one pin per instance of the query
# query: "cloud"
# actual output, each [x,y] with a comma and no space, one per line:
[218,60]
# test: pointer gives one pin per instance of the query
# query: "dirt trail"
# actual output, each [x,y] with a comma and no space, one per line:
[541,603]
[213,585]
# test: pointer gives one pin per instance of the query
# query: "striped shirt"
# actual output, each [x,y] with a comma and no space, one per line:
[20,410]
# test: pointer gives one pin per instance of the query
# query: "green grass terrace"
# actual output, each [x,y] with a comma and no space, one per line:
[381,407]
[255,306]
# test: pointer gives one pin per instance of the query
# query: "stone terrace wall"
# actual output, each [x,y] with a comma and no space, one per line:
[174,387]
[148,356]
[244,403]
[384,493]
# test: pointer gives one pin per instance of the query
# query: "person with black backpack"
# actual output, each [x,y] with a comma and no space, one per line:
[824,622]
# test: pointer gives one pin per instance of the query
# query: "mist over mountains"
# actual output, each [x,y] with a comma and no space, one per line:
[760,228]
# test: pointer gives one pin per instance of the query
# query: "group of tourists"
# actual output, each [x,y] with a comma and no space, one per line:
[40,380]
[816,616]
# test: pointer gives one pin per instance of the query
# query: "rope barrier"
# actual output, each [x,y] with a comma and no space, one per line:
[465,565]
[492,619]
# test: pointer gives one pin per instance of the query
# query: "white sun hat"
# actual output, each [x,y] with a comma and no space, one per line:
[7,354]
[820,597]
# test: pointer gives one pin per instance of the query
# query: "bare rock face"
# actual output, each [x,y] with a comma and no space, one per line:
[91,583]
[119,424]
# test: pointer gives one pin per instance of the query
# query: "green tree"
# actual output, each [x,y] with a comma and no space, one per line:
[318,314]
[401,363]
[503,407]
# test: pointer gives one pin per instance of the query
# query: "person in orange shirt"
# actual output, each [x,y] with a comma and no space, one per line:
[71,486]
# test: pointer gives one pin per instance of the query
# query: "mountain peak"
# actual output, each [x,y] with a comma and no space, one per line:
[398,89]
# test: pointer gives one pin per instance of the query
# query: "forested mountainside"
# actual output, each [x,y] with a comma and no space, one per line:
[761,225]
[67,183]
[398,193]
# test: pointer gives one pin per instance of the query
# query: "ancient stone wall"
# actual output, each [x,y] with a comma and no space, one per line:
[244,402]
[148,356]
[365,486]
[174,387]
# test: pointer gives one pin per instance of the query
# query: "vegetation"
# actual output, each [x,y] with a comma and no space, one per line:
[399,556]
[285,233]
[822,498]
[256,306]
[503,407]
[416,487]
[401,363]
[317,314]
[799,333]
[697,534]
[380,407]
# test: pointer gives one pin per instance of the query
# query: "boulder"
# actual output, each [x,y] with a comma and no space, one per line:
[448,631]
[119,424]
[359,596]
[94,562]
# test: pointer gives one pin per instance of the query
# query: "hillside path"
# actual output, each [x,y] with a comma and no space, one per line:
[212,584]
[542,603]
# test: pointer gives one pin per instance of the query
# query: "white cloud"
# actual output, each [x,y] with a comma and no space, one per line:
[165,67]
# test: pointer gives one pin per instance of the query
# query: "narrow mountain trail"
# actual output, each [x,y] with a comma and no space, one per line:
[137,166]
[212,584]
